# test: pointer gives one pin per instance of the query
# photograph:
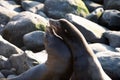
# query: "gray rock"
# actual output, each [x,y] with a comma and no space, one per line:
[58,8]
[112,4]
[6,15]
[22,24]
[34,59]
[111,19]
[33,6]
[7,72]
[11,5]
[92,5]
[11,76]
[7,49]
[91,31]
[95,15]
[1,75]
[34,41]
[42,1]
[98,1]
[19,63]
[113,38]
[110,62]
[99,47]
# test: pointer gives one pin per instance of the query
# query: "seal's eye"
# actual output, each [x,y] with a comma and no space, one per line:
[66,31]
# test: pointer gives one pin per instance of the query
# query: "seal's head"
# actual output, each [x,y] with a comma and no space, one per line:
[66,30]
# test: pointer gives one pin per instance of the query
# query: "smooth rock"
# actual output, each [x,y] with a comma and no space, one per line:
[110,19]
[91,31]
[33,6]
[19,63]
[110,62]
[95,15]
[1,75]
[99,47]
[34,41]
[11,5]
[58,8]
[22,24]
[92,5]
[6,15]
[7,49]
[112,4]
[113,38]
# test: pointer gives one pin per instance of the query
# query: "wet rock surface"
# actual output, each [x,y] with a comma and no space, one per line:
[23,26]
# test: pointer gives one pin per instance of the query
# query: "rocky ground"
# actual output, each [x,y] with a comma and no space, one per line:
[23,24]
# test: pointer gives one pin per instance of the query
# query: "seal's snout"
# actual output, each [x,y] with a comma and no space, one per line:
[54,24]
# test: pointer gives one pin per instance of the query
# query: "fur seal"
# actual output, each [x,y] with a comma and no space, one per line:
[85,64]
[57,67]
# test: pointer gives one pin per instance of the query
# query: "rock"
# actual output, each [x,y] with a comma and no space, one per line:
[99,47]
[95,15]
[42,14]
[58,8]
[34,59]
[91,31]
[110,63]
[98,1]
[11,76]
[92,5]
[6,15]
[7,49]
[19,63]
[42,1]
[22,24]
[3,79]
[6,72]
[118,49]
[111,19]
[33,6]
[34,41]
[113,38]
[112,4]
[4,64]
[11,5]
[1,75]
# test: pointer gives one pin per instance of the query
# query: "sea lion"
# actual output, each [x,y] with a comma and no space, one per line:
[85,64]
[57,67]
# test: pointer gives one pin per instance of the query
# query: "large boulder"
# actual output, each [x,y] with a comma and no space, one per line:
[112,4]
[92,5]
[33,6]
[7,49]
[111,19]
[58,8]
[113,38]
[91,31]
[95,15]
[99,47]
[22,24]
[6,15]
[110,62]
[34,59]
[34,41]
[11,5]
[19,63]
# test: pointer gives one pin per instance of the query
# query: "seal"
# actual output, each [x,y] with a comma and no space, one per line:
[85,64]
[57,67]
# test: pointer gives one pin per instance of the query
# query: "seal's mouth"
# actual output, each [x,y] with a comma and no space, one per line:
[55,25]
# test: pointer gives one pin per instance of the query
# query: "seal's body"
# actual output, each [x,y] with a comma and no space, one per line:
[85,64]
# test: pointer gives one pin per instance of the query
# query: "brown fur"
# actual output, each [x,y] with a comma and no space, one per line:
[85,64]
